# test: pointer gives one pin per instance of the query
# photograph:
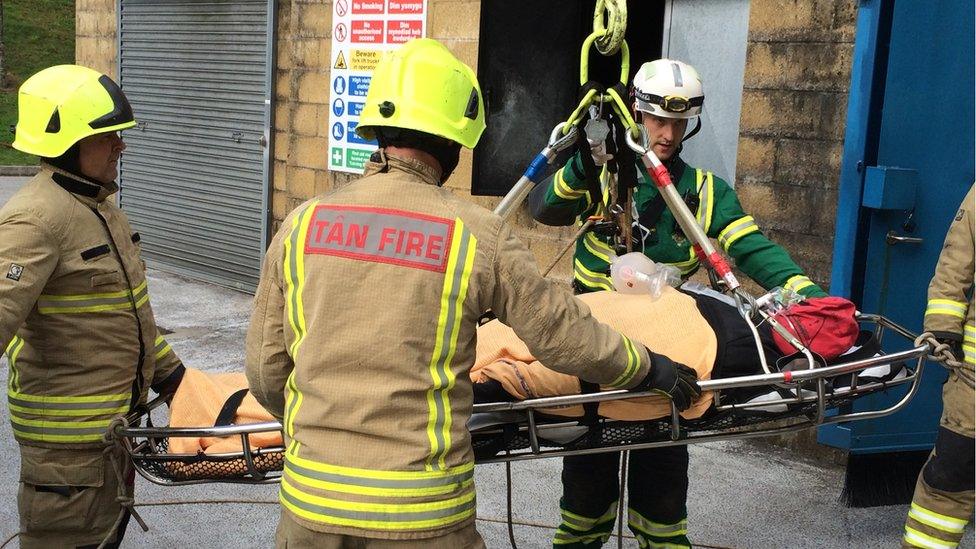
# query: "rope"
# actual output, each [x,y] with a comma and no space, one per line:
[112,451]
[209,502]
[577,114]
[942,353]
[572,242]
[508,508]
[610,19]
[8,540]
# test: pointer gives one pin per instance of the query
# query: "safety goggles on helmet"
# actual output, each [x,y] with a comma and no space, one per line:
[61,105]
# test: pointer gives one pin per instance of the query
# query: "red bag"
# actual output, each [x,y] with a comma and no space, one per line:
[825,325]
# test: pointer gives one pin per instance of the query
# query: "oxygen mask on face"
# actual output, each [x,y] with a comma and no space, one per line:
[635,273]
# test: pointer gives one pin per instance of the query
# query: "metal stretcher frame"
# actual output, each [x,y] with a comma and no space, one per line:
[147,445]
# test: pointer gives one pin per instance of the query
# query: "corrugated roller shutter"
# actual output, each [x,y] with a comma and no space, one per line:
[193,176]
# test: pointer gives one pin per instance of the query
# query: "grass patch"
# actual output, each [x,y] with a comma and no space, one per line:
[36,34]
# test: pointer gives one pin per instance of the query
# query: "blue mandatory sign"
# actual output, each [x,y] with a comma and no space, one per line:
[353,138]
[338,131]
[338,107]
[358,85]
[355,108]
[339,84]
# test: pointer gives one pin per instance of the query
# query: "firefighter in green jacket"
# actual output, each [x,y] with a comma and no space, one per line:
[667,94]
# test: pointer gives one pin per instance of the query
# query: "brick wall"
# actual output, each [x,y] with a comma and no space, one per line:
[794,104]
[96,42]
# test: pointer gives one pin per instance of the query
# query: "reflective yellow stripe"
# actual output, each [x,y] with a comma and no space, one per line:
[938,521]
[798,282]
[55,400]
[459,266]
[737,229]
[93,303]
[71,407]
[591,279]
[705,198]
[597,247]
[582,524]
[59,431]
[13,351]
[969,336]
[79,412]
[947,307]
[657,529]
[918,539]
[294,271]
[709,201]
[563,537]
[377,516]
[85,297]
[371,482]
[67,439]
[633,364]
[562,189]
[651,544]
[295,276]
[970,353]
[162,347]
[293,399]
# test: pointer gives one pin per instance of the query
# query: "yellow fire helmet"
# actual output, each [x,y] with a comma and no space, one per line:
[421,86]
[61,105]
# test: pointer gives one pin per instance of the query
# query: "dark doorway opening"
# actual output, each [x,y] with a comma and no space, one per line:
[528,66]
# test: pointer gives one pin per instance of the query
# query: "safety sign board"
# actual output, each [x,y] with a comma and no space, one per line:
[362,30]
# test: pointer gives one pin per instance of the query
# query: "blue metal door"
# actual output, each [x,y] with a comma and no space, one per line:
[908,162]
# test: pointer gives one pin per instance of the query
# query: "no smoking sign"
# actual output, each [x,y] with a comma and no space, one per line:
[341,8]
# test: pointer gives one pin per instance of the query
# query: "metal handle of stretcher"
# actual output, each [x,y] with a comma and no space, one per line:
[138,441]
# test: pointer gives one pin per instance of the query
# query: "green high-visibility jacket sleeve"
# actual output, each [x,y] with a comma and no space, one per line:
[758,257]
[562,197]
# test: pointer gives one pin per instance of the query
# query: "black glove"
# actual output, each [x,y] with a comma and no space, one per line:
[167,387]
[677,381]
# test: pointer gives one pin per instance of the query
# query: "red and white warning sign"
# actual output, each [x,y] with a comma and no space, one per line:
[369,31]
[362,31]
[399,31]
[408,7]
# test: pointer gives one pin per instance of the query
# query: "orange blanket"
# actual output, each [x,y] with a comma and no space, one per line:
[198,402]
[670,325]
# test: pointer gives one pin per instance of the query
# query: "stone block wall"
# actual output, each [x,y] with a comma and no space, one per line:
[96,35]
[794,104]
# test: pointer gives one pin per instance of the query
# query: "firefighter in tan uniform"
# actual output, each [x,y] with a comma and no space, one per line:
[943,501]
[363,330]
[83,345]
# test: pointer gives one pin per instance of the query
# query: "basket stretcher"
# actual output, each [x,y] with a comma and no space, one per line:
[515,431]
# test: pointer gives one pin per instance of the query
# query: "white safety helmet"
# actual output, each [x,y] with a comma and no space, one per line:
[669,89]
